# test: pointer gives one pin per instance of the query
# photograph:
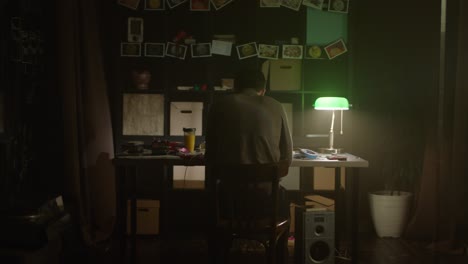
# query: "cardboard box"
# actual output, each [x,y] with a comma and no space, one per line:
[285,74]
[147,217]
[324,178]
[319,203]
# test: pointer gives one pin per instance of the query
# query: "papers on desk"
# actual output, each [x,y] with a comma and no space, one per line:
[301,153]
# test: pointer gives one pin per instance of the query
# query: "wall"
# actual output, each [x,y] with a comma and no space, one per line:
[395,75]
[242,18]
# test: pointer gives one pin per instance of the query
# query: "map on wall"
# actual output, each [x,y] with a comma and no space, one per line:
[143,114]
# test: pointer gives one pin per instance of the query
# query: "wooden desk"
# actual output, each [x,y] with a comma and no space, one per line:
[163,164]
[352,164]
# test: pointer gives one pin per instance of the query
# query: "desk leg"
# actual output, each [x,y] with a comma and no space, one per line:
[354,214]
[299,235]
[121,173]
[338,207]
[133,216]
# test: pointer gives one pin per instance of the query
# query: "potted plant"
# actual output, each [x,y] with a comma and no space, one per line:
[390,207]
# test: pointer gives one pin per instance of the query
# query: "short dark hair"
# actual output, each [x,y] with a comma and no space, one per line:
[249,79]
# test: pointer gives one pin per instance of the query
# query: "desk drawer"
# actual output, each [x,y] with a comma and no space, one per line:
[147,217]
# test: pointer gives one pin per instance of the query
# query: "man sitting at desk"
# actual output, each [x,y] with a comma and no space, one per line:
[247,127]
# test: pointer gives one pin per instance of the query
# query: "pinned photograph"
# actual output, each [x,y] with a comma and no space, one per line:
[175,50]
[317,4]
[292,4]
[154,49]
[218,4]
[200,5]
[135,29]
[292,51]
[338,6]
[268,51]
[221,47]
[336,49]
[247,50]
[155,5]
[270,3]
[201,50]
[130,49]
[132,4]
[315,52]
[174,3]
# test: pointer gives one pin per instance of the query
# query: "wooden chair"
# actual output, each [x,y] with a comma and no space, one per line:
[246,205]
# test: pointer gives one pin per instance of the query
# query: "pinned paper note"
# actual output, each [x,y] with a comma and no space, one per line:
[221,47]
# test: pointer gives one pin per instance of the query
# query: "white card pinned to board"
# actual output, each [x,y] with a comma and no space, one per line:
[186,114]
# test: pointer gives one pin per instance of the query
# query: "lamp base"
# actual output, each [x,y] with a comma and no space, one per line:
[330,150]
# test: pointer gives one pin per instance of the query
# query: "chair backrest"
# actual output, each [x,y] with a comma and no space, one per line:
[247,196]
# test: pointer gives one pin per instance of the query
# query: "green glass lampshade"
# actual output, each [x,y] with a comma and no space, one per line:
[331,103]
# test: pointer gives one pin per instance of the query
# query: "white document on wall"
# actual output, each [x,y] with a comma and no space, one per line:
[221,47]
[143,114]
[186,114]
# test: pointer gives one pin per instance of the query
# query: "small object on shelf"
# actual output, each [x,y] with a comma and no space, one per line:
[184,88]
[141,79]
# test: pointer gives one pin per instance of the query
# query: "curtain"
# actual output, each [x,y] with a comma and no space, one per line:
[440,213]
[89,174]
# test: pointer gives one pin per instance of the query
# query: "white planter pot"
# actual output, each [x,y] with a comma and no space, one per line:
[389,212]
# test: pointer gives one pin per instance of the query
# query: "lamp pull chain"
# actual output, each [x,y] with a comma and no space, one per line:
[331,130]
[341,125]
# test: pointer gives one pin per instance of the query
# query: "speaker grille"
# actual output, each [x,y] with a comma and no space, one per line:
[319,235]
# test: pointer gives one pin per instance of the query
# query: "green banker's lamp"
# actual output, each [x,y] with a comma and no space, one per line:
[332,104]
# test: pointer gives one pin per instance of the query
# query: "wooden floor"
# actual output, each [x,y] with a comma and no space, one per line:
[372,250]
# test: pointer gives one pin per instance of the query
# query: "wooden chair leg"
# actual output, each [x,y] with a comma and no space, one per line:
[282,249]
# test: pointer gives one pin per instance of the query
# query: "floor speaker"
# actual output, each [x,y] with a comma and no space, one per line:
[319,237]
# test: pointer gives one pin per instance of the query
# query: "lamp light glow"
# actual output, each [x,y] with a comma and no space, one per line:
[332,104]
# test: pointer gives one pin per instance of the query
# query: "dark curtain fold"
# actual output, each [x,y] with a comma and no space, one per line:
[89,174]
[440,213]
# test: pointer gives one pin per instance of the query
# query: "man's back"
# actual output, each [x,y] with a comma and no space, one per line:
[246,128]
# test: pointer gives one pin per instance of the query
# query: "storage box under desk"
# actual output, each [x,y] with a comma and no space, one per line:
[147,217]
